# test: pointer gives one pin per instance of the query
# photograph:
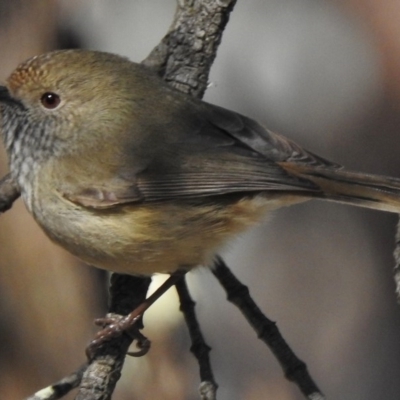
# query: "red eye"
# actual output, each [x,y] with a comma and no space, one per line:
[50,100]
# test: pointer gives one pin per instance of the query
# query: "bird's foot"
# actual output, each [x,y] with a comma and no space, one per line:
[115,325]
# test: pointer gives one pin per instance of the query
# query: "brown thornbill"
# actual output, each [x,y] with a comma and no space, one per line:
[135,177]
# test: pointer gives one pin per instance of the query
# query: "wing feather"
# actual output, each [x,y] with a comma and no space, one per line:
[211,152]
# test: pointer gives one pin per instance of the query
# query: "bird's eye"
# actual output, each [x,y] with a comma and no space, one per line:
[50,100]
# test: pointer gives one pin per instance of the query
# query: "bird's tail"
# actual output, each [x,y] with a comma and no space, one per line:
[359,189]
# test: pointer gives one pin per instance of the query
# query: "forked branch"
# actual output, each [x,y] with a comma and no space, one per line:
[267,331]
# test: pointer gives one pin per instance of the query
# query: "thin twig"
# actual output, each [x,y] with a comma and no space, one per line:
[60,388]
[199,348]
[295,370]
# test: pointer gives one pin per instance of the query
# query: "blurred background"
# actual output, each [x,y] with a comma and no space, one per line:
[326,73]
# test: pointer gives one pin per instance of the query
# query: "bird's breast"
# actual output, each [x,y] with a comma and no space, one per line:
[147,238]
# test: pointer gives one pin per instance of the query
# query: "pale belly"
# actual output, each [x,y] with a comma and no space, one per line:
[149,238]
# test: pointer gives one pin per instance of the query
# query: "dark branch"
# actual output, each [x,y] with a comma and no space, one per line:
[60,388]
[185,55]
[295,370]
[199,348]
[99,380]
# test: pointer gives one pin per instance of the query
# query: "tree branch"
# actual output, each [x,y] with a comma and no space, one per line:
[185,55]
[199,348]
[295,369]
[61,388]
[101,376]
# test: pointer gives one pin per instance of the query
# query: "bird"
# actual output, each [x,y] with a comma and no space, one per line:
[133,176]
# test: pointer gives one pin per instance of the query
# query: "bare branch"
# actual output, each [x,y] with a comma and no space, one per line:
[100,378]
[200,349]
[295,369]
[61,388]
[185,55]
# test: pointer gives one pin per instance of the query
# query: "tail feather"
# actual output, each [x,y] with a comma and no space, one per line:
[363,190]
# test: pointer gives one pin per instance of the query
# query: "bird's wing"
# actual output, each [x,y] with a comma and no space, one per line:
[218,152]
[225,152]
[266,143]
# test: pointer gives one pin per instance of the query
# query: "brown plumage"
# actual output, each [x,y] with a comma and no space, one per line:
[132,176]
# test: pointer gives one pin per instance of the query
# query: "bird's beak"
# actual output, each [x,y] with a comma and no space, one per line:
[6,98]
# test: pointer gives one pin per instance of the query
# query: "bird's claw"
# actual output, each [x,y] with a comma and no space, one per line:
[114,325]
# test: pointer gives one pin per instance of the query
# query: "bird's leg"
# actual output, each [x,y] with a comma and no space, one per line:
[113,320]
[115,325]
